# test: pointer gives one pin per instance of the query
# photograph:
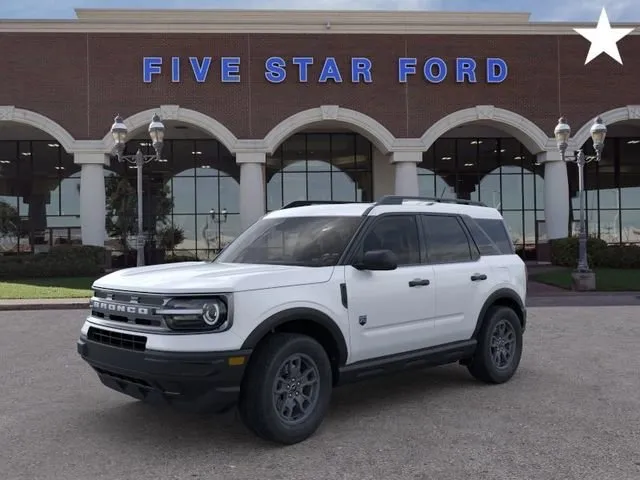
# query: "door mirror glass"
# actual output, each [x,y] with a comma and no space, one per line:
[377,260]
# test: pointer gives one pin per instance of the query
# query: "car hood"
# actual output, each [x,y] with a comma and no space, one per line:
[205,277]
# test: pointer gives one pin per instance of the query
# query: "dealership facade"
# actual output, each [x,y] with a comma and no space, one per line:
[262,108]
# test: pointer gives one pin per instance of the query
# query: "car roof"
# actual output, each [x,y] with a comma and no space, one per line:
[374,209]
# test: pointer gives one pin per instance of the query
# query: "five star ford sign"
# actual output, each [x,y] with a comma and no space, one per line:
[433,69]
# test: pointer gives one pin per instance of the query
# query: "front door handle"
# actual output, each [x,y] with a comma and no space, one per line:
[419,282]
[478,276]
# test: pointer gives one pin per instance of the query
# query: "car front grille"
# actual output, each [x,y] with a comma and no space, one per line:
[125,341]
[131,309]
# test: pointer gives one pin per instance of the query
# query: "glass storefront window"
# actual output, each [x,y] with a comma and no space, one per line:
[320,166]
[630,191]
[630,226]
[190,189]
[499,172]
[39,196]
[612,191]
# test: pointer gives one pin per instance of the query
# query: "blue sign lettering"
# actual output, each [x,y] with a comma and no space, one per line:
[441,68]
[330,71]
[151,66]
[434,69]
[200,72]
[275,72]
[406,66]
[303,67]
[175,69]
[500,75]
[361,67]
[465,67]
[230,69]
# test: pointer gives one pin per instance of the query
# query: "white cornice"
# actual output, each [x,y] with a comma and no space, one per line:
[297,21]
[296,16]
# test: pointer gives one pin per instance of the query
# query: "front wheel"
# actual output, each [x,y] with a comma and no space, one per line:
[499,346]
[286,393]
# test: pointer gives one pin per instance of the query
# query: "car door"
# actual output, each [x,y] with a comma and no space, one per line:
[390,311]
[460,276]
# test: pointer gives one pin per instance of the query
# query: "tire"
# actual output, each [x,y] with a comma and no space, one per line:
[490,366]
[258,404]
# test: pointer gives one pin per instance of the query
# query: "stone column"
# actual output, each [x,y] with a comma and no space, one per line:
[252,187]
[556,195]
[92,196]
[406,165]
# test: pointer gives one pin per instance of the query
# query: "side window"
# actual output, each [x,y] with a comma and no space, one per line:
[497,232]
[396,233]
[486,246]
[446,240]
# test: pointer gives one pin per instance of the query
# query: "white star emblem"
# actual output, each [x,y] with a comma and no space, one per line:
[603,38]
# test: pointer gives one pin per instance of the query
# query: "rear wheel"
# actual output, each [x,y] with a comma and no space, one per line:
[499,346]
[286,393]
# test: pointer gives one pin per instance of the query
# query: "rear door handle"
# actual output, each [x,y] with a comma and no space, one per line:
[478,276]
[419,282]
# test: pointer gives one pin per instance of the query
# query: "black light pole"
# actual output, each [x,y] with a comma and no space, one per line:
[156,132]
[562,133]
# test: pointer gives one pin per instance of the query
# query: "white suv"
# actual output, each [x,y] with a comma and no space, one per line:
[310,297]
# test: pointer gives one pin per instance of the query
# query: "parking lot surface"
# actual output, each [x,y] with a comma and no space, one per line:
[571,412]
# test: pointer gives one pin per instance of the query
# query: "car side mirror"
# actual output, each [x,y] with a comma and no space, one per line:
[377,260]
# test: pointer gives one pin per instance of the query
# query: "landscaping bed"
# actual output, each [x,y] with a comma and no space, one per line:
[64,272]
[617,267]
[607,279]
[34,288]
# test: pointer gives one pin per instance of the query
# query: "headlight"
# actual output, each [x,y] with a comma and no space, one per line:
[197,314]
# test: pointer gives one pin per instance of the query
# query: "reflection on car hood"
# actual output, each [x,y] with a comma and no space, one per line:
[204,277]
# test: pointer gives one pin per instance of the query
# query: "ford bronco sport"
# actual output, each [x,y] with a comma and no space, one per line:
[309,297]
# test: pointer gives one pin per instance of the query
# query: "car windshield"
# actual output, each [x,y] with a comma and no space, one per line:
[303,241]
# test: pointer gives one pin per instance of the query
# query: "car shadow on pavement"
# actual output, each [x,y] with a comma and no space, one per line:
[135,422]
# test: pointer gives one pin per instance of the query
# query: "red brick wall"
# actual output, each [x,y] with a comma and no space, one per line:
[82,80]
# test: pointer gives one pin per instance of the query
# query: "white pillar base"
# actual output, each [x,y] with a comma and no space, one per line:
[92,198]
[556,195]
[406,165]
[252,187]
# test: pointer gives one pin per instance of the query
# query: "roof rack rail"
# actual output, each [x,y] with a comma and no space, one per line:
[398,199]
[306,203]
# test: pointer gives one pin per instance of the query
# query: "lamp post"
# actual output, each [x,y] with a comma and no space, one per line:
[156,132]
[213,232]
[562,133]
[222,216]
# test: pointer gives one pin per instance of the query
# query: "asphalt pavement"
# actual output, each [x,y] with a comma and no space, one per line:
[571,412]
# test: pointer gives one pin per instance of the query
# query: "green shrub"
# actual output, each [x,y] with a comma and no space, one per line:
[564,252]
[180,258]
[619,256]
[60,261]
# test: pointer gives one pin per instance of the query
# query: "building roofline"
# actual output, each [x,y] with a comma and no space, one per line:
[297,21]
[288,15]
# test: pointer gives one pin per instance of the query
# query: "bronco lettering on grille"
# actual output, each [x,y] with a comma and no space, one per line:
[115,307]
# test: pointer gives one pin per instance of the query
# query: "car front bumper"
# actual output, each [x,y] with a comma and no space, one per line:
[202,381]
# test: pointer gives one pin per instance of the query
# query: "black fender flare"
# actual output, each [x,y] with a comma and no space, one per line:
[296,314]
[501,294]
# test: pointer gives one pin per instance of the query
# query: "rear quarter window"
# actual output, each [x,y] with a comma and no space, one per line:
[491,236]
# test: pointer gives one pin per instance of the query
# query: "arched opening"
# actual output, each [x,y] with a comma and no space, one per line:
[39,190]
[484,163]
[327,163]
[190,197]
[612,187]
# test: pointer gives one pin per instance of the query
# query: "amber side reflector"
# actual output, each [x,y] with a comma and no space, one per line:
[235,361]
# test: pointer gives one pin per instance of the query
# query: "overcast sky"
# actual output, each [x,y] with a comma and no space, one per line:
[541,10]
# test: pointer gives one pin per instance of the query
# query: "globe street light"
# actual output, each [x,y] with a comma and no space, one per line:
[119,132]
[598,133]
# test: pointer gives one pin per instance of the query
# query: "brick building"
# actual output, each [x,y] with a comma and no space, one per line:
[265,107]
